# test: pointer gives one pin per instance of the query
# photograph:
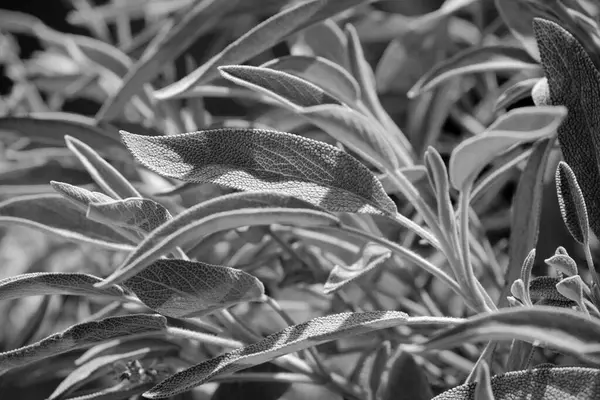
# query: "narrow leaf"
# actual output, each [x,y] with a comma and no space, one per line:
[260,38]
[48,283]
[515,93]
[572,205]
[474,60]
[141,215]
[78,196]
[294,338]
[470,156]
[255,159]
[483,387]
[81,336]
[185,289]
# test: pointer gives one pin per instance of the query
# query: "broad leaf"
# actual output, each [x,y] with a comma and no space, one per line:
[473,60]
[260,38]
[197,230]
[104,174]
[185,289]
[526,124]
[404,379]
[324,39]
[294,338]
[252,159]
[81,336]
[48,283]
[55,215]
[371,256]
[545,383]
[201,18]
[574,82]
[141,215]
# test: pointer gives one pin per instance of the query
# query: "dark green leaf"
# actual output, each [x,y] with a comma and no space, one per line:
[404,379]
[572,205]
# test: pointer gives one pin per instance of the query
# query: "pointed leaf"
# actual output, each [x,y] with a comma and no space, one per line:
[141,215]
[78,196]
[255,159]
[515,93]
[371,256]
[297,337]
[404,379]
[572,205]
[104,174]
[54,215]
[185,289]
[574,82]
[524,124]
[563,263]
[324,39]
[546,383]
[260,38]
[81,336]
[48,283]
[483,387]
[474,60]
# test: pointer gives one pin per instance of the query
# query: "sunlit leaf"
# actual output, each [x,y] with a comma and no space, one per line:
[141,215]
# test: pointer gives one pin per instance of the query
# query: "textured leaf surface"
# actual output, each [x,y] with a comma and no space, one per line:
[142,215]
[81,336]
[294,338]
[473,60]
[253,159]
[179,288]
[524,124]
[47,283]
[55,215]
[371,256]
[572,205]
[79,197]
[260,38]
[558,383]
[574,82]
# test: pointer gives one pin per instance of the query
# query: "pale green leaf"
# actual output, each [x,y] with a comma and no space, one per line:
[185,289]
[252,159]
[562,262]
[81,336]
[78,196]
[260,38]
[141,215]
[521,125]
[49,283]
[324,39]
[475,60]
[519,91]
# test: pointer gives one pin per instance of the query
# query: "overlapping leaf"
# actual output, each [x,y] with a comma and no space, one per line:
[253,159]
[81,336]
[324,39]
[141,215]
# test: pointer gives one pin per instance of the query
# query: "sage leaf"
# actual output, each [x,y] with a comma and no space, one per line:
[253,159]
[104,174]
[124,345]
[121,391]
[260,38]
[373,376]
[197,230]
[519,91]
[78,196]
[54,215]
[574,82]
[473,60]
[141,215]
[562,263]
[572,204]
[199,19]
[83,335]
[521,125]
[49,283]
[404,379]
[371,256]
[294,338]
[483,387]
[324,39]
[185,289]
[254,390]
[545,383]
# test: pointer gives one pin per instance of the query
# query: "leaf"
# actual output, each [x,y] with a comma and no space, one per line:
[483,387]
[575,83]
[199,19]
[371,256]
[52,127]
[572,205]
[562,262]
[104,174]
[474,60]
[294,338]
[254,390]
[565,383]
[559,329]
[260,38]
[523,124]
[199,229]
[141,215]
[121,391]
[526,212]
[404,379]
[324,39]
[81,336]
[48,283]
[252,159]
[516,92]
[330,77]
[185,289]
[54,215]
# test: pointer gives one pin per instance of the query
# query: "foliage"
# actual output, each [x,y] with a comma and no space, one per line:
[339,199]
